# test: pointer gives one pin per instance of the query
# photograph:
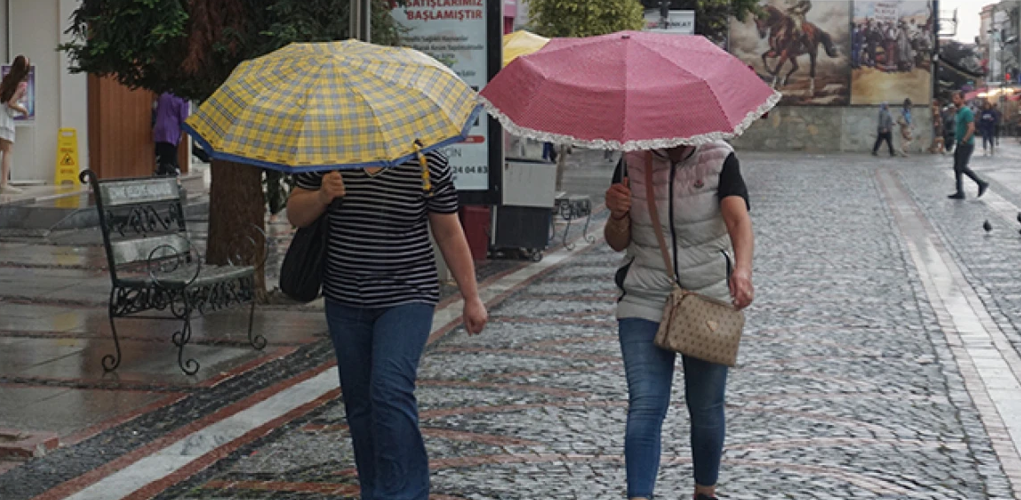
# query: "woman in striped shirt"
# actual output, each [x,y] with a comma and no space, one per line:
[381,290]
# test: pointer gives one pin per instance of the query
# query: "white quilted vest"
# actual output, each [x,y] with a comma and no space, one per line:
[702,235]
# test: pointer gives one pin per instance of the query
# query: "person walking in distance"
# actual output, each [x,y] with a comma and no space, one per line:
[12,89]
[965,137]
[999,123]
[171,112]
[884,130]
[704,187]
[949,126]
[937,129]
[987,127]
[907,131]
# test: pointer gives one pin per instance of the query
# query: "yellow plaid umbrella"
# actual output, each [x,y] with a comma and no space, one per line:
[521,43]
[326,106]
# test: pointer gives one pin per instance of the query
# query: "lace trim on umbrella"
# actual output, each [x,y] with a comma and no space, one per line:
[642,145]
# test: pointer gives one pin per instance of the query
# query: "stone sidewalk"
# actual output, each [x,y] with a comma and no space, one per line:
[880,361]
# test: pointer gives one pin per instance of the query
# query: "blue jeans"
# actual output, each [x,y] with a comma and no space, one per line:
[378,351]
[988,139]
[650,373]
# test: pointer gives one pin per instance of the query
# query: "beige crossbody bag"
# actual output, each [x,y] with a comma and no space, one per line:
[693,325]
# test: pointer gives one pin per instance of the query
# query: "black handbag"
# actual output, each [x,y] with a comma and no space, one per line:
[301,274]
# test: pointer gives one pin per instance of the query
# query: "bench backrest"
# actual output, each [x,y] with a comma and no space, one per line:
[138,217]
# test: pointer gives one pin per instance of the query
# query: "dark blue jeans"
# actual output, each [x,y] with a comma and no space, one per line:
[650,373]
[961,169]
[988,140]
[378,351]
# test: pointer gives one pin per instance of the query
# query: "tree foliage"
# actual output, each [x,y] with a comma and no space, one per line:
[712,17]
[579,18]
[189,48]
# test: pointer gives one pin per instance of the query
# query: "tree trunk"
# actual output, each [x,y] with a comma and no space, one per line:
[236,207]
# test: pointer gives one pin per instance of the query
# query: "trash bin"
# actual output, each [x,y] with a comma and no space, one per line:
[476,221]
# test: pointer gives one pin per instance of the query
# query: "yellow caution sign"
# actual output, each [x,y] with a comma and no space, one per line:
[68,197]
[67,157]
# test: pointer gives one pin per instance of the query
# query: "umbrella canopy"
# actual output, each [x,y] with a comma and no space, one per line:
[326,106]
[521,43]
[628,91]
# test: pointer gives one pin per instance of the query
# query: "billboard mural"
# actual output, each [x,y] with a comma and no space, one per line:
[892,44]
[836,53]
[801,48]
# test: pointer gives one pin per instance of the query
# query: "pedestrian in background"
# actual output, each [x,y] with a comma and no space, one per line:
[906,128]
[949,127]
[938,145]
[381,288]
[965,133]
[13,88]
[884,130]
[987,127]
[710,217]
[171,112]
[999,122]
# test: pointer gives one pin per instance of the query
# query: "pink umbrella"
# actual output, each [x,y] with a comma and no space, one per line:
[628,91]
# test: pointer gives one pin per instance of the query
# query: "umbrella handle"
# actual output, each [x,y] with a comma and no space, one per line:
[337,202]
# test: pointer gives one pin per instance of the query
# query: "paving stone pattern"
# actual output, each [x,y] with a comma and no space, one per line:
[846,387]
[988,259]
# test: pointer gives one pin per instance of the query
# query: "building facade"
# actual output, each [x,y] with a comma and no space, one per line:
[999,32]
[113,123]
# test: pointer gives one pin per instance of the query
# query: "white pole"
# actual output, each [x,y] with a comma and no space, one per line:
[361,20]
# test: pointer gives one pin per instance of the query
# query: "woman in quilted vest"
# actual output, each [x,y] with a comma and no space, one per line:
[713,233]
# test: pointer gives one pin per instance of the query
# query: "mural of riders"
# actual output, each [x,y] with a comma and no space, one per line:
[801,47]
[891,51]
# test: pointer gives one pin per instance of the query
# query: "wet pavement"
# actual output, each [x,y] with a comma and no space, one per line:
[54,330]
[880,361]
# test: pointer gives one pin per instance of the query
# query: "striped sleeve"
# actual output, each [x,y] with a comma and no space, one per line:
[310,181]
[444,199]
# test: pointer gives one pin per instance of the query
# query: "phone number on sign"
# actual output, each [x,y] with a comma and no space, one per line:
[470,169]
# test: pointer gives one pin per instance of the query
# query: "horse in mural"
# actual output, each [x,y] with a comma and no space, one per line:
[785,45]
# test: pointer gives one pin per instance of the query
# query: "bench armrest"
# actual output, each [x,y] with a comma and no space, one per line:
[166,259]
[253,236]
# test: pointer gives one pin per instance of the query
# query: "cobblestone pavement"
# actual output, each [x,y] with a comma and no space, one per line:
[864,372]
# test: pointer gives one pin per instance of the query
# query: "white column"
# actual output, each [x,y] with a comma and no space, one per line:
[74,93]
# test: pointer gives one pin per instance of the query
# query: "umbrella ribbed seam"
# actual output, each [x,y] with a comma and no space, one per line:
[308,98]
[243,112]
[704,83]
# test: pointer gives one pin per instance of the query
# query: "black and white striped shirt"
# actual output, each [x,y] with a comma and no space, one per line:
[379,254]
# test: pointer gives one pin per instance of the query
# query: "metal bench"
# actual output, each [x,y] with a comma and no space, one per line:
[154,267]
[571,208]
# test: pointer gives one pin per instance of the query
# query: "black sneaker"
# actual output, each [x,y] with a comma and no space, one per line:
[982,189]
[956,196]
[705,497]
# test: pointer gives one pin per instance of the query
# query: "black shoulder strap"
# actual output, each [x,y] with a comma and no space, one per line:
[673,230]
